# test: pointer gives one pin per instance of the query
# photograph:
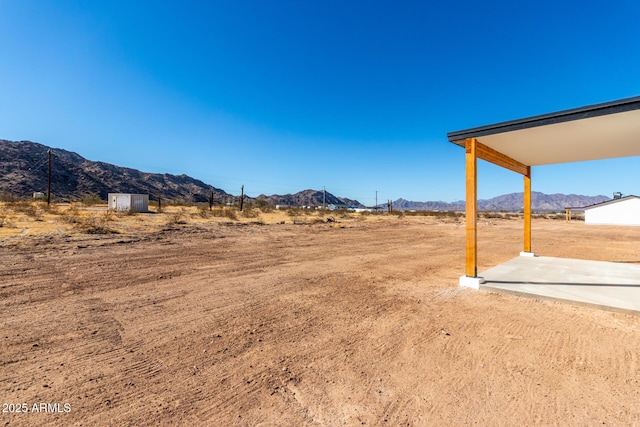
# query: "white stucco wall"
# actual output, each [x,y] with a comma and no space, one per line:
[624,212]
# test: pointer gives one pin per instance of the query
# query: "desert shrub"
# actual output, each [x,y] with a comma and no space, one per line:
[51,209]
[108,216]
[92,199]
[293,212]
[249,212]
[8,197]
[400,214]
[224,213]
[263,205]
[126,212]
[27,208]
[178,217]
[437,214]
[70,215]
[491,215]
[203,210]
[95,224]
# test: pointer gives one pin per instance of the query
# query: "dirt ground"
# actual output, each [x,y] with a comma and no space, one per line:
[356,322]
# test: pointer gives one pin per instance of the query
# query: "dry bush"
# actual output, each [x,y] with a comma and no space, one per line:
[70,215]
[492,215]
[224,213]
[92,199]
[250,213]
[264,206]
[30,209]
[51,209]
[108,215]
[179,217]
[295,212]
[8,197]
[95,224]
[125,213]
[203,211]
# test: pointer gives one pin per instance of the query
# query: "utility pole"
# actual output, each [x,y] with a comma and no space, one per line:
[210,198]
[324,198]
[376,207]
[49,184]
[242,198]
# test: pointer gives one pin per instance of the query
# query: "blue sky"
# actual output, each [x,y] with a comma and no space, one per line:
[281,96]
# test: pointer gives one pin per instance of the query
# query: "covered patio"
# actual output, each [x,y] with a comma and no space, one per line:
[594,132]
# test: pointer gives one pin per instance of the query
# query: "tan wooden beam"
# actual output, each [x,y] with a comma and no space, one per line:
[527,210]
[497,158]
[471,268]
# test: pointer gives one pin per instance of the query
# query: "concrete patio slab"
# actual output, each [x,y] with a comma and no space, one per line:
[606,285]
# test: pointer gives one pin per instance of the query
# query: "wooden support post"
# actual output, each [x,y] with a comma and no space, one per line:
[471,269]
[527,210]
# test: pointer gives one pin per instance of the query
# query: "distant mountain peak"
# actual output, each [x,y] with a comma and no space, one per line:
[509,202]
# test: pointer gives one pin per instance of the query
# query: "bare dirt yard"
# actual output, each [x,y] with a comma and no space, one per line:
[258,323]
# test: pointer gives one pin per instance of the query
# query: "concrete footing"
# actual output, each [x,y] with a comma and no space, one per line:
[527,254]
[471,282]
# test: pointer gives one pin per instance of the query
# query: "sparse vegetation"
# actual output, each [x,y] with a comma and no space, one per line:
[437,214]
[71,215]
[249,212]
[203,210]
[92,199]
[96,224]
[8,197]
[30,209]
[264,206]
[229,213]
[178,217]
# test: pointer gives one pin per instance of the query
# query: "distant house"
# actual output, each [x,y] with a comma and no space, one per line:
[128,202]
[621,211]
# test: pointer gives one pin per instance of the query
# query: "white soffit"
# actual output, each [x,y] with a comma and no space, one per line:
[594,138]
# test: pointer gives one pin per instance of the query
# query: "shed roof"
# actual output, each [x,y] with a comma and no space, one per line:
[612,201]
[593,132]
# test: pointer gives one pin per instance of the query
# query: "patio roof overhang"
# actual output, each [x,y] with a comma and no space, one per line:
[594,132]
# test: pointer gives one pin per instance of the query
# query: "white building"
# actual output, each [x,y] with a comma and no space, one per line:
[128,202]
[623,211]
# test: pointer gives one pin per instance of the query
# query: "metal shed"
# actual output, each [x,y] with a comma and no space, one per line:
[128,202]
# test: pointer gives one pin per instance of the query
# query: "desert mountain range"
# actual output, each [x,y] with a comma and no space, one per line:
[23,170]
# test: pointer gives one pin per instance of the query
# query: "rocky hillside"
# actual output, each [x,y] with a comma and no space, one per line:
[309,198]
[23,170]
[540,201]
[509,202]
